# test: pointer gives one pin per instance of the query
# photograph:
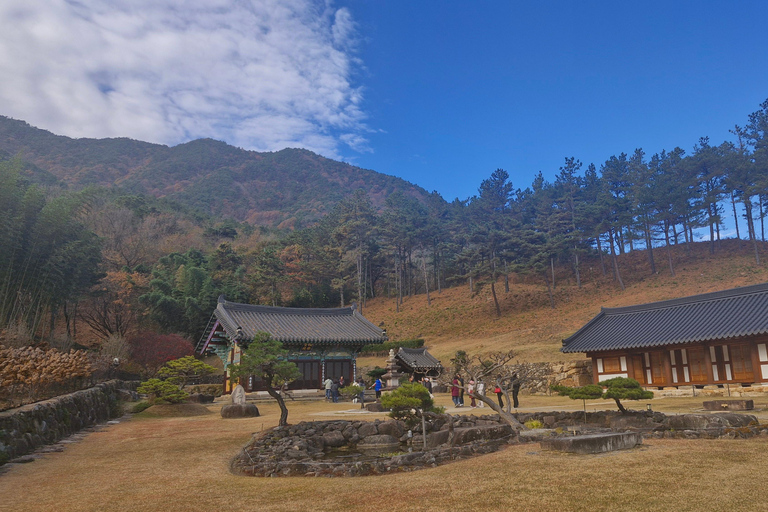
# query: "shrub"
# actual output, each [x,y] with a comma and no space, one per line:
[351,391]
[141,406]
[532,424]
[406,401]
[180,371]
[392,345]
[162,391]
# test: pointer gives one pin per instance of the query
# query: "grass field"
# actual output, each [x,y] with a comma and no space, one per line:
[159,461]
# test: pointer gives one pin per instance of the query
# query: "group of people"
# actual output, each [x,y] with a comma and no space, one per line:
[332,387]
[478,388]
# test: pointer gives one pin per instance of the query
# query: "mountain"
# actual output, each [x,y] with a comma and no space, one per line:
[285,189]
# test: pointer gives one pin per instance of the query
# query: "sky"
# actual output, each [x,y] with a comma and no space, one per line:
[440,93]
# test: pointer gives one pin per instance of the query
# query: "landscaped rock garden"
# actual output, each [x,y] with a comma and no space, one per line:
[357,448]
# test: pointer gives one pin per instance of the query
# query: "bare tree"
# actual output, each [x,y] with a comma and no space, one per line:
[494,369]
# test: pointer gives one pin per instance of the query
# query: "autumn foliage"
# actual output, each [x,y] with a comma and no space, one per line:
[151,350]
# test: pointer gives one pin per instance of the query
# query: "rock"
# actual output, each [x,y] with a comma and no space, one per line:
[239,411]
[368,429]
[238,395]
[374,407]
[392,427]
[334,439]
[200,398]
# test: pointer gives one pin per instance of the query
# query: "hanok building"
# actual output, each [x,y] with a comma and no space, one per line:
[322,342]
[418,362]
[709,339]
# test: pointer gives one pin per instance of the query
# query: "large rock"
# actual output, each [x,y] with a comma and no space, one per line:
[334,439]
[593,443]
[393,428]
[702,421]
[239,411]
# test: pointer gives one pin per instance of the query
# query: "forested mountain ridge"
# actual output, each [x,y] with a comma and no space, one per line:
[288,188]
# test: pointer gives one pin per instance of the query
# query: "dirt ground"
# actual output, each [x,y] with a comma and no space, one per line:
[170,458]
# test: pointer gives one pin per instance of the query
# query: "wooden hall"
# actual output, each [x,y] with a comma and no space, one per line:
[714,338]
[323,342]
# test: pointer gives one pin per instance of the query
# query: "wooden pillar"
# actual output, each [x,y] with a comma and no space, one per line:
[708,364]
[667,365]
[594,370]
[757,374]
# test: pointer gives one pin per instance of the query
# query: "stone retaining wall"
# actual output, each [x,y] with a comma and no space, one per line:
[26,428]
[357,448]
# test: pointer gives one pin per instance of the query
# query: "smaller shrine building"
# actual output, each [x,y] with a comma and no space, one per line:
[323,342]
[714,338]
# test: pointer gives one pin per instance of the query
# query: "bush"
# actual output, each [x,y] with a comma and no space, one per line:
[140,406]
[207,389]
[405,402]
[151,350]
[392,345]
[532,424]
[161,391]
[351,391]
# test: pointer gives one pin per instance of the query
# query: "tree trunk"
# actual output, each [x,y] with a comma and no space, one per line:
[280,402]
[649,247]
[495,300]
[549,289]
[735,216]
[506,278]
[600,252]
[616,273]
[505,416]
[669,249]
[552,267]
[621,407]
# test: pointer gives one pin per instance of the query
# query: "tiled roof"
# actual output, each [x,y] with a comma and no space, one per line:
[418,359]
[710,316]
[332,326]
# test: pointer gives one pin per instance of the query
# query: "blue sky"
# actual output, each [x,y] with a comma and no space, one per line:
[440,93]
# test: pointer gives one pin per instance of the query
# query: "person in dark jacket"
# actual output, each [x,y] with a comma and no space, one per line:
[455,391]
[515,390]
[461,394]
[335,391]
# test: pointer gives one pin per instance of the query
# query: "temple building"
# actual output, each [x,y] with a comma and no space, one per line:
[323,342]
[715,338]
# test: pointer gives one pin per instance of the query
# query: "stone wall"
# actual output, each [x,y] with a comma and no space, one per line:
[26,428]
[357,448]
[538,377]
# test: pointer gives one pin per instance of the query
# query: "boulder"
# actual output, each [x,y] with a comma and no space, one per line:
[334,439]
[200,398]
[239,411]
[392,427]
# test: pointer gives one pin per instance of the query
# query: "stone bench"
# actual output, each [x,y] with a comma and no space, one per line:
[729,405]
[593,443]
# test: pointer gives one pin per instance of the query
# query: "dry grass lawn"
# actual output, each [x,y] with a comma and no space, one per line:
[159,461]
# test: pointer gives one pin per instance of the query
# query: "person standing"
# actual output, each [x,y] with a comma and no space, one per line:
[497,390]
[361,396]
[461,391]
[455,391]
[335,391]
[515,390]
[377,385]
[341,382]
[481,392]
[471,392]
[328,383]
[428,384]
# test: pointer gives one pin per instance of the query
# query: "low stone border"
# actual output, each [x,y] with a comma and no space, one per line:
[357,448]
[24,429]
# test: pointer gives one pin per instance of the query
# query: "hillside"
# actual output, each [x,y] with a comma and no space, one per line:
[458,320]
[288,188]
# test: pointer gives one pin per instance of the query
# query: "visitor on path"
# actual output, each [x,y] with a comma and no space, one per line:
[335,391]
[481,392]
[515,390]
[497,390]
[377,387]
[471,392]
[341,382]
[455,391]
[328,383]
[461,391]
[361,396]
[428,384]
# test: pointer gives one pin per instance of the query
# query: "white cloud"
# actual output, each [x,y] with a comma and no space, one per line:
[259,74]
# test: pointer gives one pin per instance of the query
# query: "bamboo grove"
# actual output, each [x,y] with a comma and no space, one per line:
[115,265]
